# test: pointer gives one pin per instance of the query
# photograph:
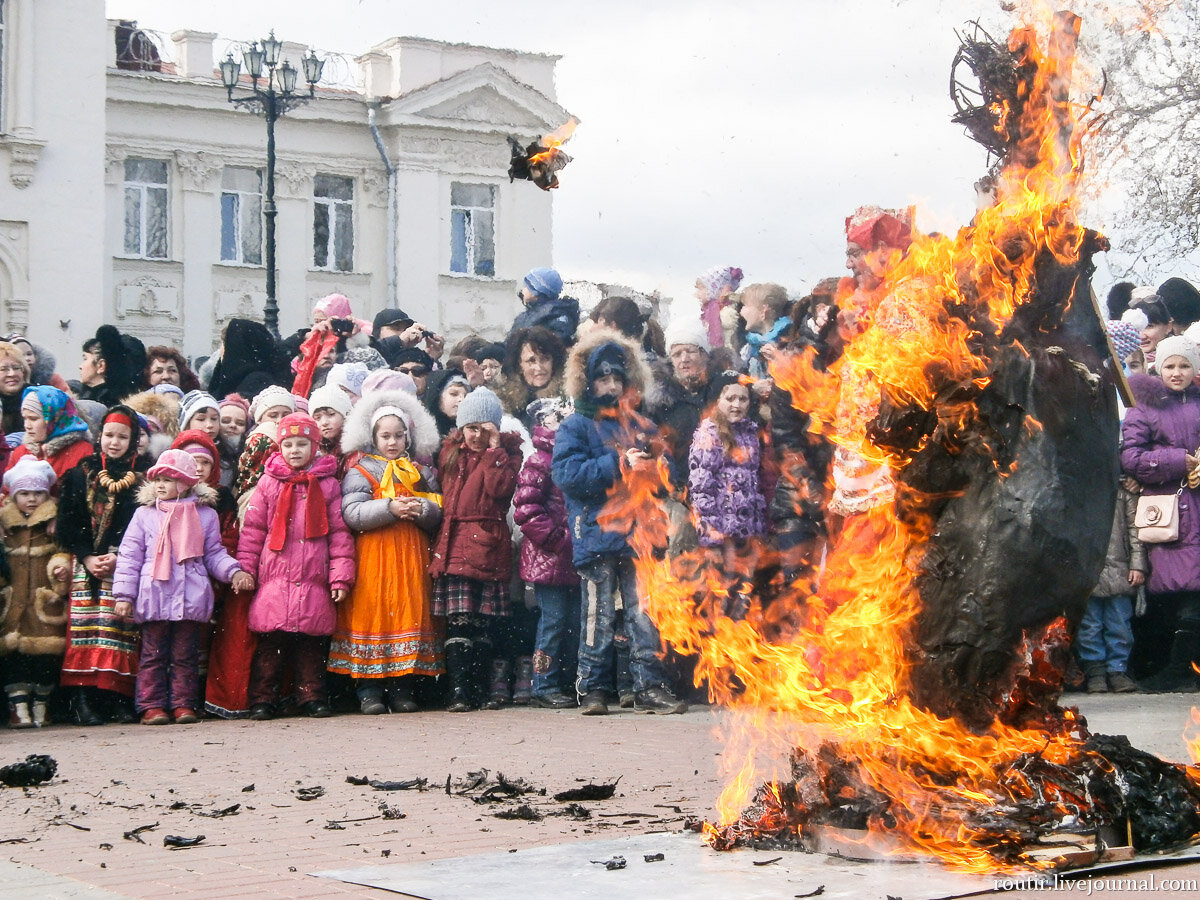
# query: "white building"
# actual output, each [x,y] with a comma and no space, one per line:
[134,188]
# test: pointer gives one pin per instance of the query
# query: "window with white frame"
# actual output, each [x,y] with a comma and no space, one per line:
[146,208]
[473,229]
[333,223]
[241,216]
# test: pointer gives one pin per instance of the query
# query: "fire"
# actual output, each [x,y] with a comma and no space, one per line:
[817,678]
[554,140]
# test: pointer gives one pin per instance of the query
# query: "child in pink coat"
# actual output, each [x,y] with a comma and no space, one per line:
[171,548]
[295,543]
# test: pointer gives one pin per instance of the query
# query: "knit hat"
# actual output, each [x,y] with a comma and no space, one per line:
[269,397]
[195,441]
[349,376]
[367,356]
[29,474]
[718,278]
[686,330]
[177,464]
[490,351]
[539,409]
[298,424]
[544,282]
[1137,318]
[411,355]
[607,359]
[1181,299]
[387,380]
[168,388]
[330,397]
[389,410]
[479,406]
[336,306]
[1125,338]
[193,402]
[1177,345]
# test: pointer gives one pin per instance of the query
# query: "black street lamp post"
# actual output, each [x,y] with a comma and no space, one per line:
[273,99]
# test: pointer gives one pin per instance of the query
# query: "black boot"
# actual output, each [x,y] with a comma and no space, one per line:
[458,676]
[120,709]
[1177,676]
[399,694]
[83,706]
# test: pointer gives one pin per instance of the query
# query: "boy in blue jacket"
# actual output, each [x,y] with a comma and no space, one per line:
[604,367]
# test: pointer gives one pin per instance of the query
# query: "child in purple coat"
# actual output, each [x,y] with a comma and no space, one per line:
[170,549]
[541,512]
[726,483]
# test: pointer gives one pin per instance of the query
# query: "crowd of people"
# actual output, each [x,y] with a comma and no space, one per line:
[363,517]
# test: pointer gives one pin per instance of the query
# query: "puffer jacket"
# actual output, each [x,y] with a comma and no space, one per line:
[187,595]
[726,489]
[364,513]
[33,608]
[541,512]
[477,488]
[560,315]
[1158,433]
[294,584]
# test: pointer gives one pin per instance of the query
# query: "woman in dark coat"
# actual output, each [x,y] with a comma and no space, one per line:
[1161,438]
[250,360]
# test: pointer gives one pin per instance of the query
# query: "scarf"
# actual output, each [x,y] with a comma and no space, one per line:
[755,340]
[181,531]
[316,521]
[404,471]
[317,345]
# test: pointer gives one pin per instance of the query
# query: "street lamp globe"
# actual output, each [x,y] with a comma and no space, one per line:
[313,65]
[287,77]
[253,57]
[231,70]
[271,50]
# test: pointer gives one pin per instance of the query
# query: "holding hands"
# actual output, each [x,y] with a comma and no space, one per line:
[243,582]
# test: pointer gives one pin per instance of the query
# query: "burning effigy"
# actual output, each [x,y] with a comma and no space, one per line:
[541,161]
[910,678]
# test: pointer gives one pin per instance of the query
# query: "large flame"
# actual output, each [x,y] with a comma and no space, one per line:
[830,668]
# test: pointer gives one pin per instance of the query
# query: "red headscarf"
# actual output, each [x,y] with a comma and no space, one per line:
[871,226]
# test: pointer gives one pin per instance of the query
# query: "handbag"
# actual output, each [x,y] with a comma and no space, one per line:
[1157,518]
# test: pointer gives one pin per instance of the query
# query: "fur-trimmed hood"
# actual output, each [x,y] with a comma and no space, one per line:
[57,445]
[202,492]
[575,381]
[163,408]
[356,433]
[1153,392]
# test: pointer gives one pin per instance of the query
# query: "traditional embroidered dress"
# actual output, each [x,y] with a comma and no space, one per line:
[385,628]
[99,497]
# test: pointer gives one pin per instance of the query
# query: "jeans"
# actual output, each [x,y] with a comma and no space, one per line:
[169,669]
[1105,633]
[602,580]
[557,637]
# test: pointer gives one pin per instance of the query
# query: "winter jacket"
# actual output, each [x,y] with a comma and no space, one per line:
[586,461]
[560,315]
[294,584]
[76,531]
[1125,551]
[1158,433]
[541,512]
[363,513]
[33,608]
[677,411]
[187,595]
[726,488]
[475,540]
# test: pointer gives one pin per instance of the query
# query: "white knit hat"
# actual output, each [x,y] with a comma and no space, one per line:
[1177,345]
[330,397]
[271,396]
[687,330]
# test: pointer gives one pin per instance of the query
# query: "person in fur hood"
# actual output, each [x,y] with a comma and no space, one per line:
[171,550]
[385,636]
[607,377]
[34,623]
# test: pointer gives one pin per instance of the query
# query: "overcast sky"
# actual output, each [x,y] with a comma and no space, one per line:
[734,133]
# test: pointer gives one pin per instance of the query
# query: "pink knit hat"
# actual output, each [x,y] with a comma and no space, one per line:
[177,464]
[336,306]
[298,424]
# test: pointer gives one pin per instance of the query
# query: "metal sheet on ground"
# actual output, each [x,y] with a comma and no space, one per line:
[690,869]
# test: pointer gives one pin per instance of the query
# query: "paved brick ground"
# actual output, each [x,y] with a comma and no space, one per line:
[114,779]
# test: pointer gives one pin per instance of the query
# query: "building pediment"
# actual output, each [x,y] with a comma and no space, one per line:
[485,95]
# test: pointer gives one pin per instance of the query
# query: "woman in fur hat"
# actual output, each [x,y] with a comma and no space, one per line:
[99,497]
[385,632]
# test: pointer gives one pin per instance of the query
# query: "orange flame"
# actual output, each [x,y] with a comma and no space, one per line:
[554,140]
[829,667]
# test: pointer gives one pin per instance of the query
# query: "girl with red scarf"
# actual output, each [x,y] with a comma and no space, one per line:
[298,548]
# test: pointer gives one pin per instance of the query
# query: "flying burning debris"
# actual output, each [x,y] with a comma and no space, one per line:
[541,160]
[908,690]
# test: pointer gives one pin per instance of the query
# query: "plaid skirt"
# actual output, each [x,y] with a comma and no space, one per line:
[457,595]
